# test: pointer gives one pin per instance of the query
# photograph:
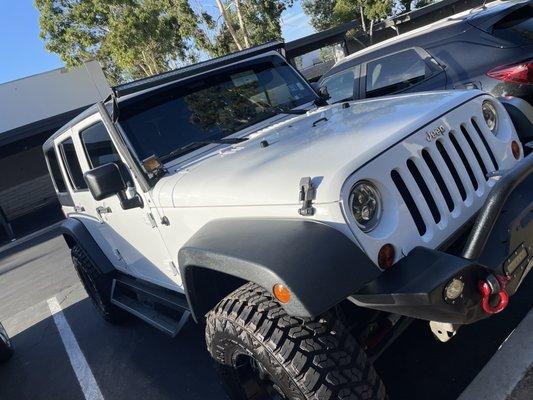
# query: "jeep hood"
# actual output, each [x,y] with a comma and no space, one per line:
[327,144]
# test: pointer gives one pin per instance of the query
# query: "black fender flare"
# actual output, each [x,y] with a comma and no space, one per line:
[319,264]
[521,113]
[75,233]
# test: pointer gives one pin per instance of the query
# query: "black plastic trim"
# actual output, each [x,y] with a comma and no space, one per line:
[493,206]
[319,264]
[521,113]
[75,233]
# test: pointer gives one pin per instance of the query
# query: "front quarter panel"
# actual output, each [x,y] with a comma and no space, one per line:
[319,264]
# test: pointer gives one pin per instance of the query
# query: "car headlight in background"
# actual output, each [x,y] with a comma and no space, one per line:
[365,203]
[490,115]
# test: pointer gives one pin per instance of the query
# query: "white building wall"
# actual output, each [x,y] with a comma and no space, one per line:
[45,95]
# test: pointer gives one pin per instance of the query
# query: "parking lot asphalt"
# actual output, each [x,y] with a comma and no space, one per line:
[135,361]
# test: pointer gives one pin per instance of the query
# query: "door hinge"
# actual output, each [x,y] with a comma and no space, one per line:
[172,268]
[151,220]
[307,195]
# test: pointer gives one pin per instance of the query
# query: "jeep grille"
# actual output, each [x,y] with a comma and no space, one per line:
[466,157]
[434,180]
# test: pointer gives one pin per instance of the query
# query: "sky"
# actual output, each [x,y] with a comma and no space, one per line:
[23,53]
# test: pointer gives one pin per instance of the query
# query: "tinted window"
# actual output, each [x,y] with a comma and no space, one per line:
[212,108]
[395,72]
[55,172]
[340,85]
[517,27]
[72,164]
[98,145]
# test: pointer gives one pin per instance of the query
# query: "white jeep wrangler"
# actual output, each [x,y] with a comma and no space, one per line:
[305,236]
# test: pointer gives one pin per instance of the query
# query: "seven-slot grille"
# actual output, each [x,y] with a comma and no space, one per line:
[457,165]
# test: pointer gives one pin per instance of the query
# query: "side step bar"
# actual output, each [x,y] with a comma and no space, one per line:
[161,308]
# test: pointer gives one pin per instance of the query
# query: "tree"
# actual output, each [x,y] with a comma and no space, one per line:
[138,38]
[131,38]
[409,5]
[247,23]
[320,13]
[326,14]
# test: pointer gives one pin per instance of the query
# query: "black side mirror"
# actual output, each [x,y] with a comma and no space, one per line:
[107,180]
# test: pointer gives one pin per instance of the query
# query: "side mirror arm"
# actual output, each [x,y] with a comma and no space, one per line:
[128,203]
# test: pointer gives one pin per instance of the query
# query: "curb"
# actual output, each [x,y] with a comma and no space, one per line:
[506,368]
[27,238]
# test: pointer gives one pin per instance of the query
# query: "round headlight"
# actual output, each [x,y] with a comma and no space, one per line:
[365,203]
[490,115]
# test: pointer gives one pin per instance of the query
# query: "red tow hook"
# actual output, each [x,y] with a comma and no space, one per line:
[486,291]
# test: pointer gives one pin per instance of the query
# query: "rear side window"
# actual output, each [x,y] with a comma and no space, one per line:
[55,172]
[98,145]
[340,86]
[72,165]
[395,72]
[517,27]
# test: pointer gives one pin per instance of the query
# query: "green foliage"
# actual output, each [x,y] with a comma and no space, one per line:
[261,20]
[131,38]
[320,13]
[137,38]
[325,14]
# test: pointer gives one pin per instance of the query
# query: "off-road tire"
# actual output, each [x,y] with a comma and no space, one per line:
[6,349]
[303,359]
[97,286]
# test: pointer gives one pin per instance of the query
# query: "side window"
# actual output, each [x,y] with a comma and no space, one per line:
[340,85]
[72,165]
[394,73]
[55,171]
[98,145]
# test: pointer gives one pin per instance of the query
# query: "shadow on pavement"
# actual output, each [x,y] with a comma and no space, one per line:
[133,361]
[418,367]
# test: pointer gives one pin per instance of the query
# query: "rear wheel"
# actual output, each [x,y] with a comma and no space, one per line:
[97,286]
[6,349]
[263,353]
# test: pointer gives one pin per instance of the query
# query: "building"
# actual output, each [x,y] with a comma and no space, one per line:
[31,109]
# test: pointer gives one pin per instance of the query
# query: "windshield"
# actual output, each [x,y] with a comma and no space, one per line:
[212,108]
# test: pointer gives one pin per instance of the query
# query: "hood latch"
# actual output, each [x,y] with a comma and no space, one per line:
[307,195]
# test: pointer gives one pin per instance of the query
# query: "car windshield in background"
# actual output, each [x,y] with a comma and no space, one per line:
[213,108]
[394,73]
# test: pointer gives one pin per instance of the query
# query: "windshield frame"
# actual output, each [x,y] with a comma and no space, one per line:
[135,104]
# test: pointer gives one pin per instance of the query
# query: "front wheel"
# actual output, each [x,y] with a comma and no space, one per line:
[97,286]
[263,353]
[6,349]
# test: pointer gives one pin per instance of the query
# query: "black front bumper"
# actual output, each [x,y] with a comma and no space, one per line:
[500,244]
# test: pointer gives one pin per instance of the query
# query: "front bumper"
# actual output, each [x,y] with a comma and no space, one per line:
[498,252]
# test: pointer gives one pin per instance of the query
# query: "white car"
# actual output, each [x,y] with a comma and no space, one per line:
[305,236]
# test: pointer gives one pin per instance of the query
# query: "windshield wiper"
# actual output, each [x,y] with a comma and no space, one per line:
[281,110]
[195,145]
[294,111]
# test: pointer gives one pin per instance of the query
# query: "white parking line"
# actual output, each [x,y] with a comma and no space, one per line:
[83,372]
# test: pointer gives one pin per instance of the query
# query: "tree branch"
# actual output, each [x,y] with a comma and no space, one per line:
[242,24]
[228,24]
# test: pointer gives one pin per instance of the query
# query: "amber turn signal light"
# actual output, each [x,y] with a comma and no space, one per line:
[282,293]
[515,148]
[386,256]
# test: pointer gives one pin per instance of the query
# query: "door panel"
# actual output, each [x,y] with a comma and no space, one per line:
[131,238]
